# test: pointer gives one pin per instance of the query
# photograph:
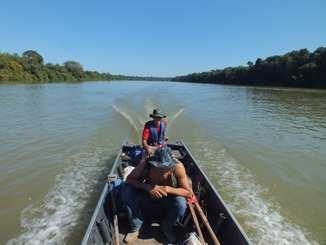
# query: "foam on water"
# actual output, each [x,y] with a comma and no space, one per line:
[260,217]
[138,123]
[51,220]
[127,117]
[176,115]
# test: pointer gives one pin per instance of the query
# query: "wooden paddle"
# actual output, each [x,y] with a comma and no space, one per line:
[194,218]
[206,223]
[193,201]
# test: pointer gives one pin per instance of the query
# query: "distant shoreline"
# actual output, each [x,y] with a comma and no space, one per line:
[30,68]
[296,69]
[85,81]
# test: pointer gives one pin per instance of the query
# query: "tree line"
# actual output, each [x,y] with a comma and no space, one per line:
[30,67]
[299,68]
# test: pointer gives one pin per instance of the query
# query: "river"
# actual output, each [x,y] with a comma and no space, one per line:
[263,148]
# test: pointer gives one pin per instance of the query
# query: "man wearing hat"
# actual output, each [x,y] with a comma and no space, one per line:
[157,187]
[154,131]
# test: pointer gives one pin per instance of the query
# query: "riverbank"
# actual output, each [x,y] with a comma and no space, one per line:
[30,68]
[296,69]
[299,68]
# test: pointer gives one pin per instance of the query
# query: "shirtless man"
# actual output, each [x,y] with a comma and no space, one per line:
[159,180]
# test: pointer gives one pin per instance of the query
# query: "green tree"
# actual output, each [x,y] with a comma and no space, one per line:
[75,68]
[33,57]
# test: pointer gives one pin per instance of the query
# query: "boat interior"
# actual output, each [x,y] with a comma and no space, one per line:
[109,224]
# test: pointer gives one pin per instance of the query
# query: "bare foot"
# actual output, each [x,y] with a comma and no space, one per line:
[131,237]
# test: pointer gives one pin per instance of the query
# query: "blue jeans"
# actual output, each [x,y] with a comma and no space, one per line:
[141,207]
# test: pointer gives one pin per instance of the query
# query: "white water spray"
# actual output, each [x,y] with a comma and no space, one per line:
[127,117]
[245,199]
[176,115]
[52,220]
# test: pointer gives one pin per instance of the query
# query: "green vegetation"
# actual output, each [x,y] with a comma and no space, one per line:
[30,68]
[295,69]
[299,68]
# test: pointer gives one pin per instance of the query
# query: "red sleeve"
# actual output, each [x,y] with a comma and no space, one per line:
[145,133]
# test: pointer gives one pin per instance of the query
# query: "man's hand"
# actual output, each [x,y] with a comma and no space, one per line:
[158,192]
[151,150]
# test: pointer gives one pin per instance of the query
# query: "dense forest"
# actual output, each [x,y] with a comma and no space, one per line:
[30,67]
[299,68]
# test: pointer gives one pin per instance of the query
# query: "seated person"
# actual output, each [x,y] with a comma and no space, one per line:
[159,180]
[154,131]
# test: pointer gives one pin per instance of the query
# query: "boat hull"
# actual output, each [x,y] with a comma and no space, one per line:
[101,229]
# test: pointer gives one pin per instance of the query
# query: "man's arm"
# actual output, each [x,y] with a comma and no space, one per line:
[145,136]
[146,146]
[184,188]
[136,174]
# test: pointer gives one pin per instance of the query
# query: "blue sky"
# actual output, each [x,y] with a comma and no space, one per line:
[162,38]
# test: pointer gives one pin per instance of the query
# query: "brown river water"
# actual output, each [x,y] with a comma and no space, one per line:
[263,148]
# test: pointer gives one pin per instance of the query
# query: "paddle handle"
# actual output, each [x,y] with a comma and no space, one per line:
[206,223]
[194,218]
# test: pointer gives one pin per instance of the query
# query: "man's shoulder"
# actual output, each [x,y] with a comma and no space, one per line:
[179,169]
[148,123]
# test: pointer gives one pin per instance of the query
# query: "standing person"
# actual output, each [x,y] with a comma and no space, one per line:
[154,131]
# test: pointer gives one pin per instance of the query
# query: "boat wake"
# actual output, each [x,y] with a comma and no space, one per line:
[127,117]
[137,125]
[53,219]
[259,217]
[175,116]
